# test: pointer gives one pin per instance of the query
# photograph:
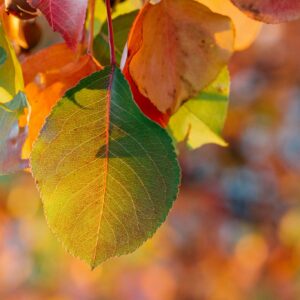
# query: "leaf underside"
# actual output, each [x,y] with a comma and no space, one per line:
[107,174]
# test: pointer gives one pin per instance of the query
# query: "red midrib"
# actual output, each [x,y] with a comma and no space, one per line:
[106,161]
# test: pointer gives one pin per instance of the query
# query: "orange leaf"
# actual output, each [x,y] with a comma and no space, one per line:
[246,29]
[48,74]
[145,104]
[175,49]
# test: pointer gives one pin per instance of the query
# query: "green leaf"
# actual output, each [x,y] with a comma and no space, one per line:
[3,56]
[11,78]
[200,120]
[107,174]
[12,135]
[122,25]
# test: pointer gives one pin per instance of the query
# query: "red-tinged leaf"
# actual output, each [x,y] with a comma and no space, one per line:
[67,17]
[270,11]
[145,104]
[175,49]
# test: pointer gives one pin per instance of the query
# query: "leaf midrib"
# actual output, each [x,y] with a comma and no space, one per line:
[106,160]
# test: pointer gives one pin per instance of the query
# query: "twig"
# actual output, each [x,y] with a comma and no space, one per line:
[110,34]
[92,21]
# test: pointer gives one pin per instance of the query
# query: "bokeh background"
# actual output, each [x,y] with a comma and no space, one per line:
[234,232]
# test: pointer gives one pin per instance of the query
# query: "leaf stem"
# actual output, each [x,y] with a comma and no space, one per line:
[92,21]
[110,34]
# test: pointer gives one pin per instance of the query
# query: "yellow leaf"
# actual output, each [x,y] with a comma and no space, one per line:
[200,120]
[11,80]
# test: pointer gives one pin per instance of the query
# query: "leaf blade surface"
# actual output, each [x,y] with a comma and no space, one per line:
[175,49]
[107,174]
[200,120]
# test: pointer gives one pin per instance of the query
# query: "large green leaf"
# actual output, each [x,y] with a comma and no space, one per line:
[11,79]
[200,120]
[107,174]
[12,135]
[122,25]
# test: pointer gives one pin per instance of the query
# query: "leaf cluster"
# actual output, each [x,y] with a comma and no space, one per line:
[99,116]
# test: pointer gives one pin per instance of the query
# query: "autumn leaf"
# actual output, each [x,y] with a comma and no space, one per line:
[12,134]
[11,80]
[146,106]
[67,17]
[122,25]
[270,11]
[200,120]
[48,74]
[246,29]
[175,49]
[107,174]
